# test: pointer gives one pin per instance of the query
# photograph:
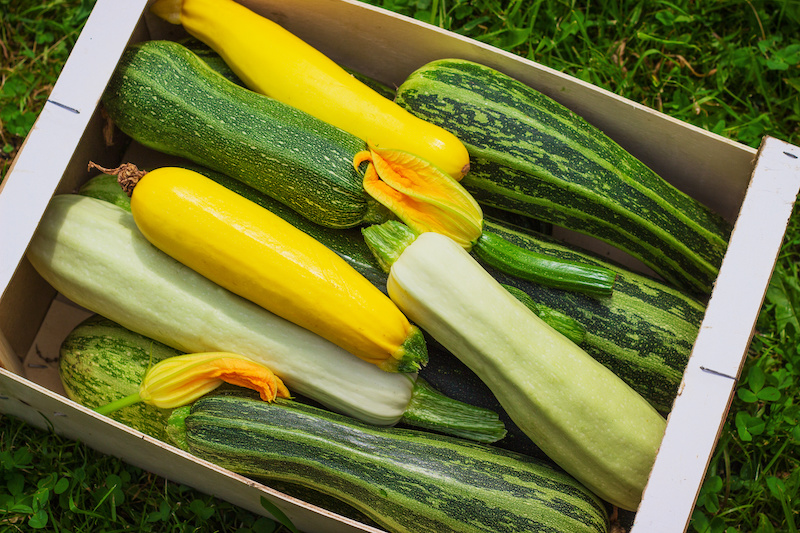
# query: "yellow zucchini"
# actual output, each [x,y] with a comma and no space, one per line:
[256,254]
[272,61]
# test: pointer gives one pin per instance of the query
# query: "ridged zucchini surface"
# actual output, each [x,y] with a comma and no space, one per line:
[101,362]
[405,480]
[531,155]
[166,98]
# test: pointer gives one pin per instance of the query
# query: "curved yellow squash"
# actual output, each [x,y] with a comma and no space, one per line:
[254,253]
[272,61]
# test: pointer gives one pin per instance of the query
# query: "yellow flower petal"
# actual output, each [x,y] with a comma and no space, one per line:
[422,196]
[182,379]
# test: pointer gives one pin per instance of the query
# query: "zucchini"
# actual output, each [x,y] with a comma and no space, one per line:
[532,156]
[166,98]
[256,254]
[213,60]
[274,62]
[100,362]
[91,252]
[584,417]
[405,480]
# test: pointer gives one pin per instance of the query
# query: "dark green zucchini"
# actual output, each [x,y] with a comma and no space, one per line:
[532,156]
[405,480]
[168,99]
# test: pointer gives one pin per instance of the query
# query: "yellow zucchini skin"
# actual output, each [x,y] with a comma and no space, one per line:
[254,253]
[272,61]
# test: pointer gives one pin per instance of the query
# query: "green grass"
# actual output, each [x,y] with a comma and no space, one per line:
[732,67]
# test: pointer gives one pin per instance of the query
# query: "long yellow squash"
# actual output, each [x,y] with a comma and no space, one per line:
[259,256]
[272,61]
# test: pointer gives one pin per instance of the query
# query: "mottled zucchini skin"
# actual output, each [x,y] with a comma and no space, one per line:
[167,98]
[101,361]
[532,156]
[405,480]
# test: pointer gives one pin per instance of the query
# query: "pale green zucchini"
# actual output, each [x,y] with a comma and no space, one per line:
[644,332]
[578,412]
[407,481]
[92,252]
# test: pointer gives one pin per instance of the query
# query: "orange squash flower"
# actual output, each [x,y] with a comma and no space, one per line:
[424,197]
[182,379]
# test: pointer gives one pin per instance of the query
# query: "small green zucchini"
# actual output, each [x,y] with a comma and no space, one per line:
[579,413]
[532,156]
[100,362]
[407,481]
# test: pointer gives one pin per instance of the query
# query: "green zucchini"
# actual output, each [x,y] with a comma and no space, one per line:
[166,98]
[583,416]
[405,480]
[100,362]
[91,252]
[532,156]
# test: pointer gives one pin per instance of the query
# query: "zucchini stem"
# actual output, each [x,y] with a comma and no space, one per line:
[525,264]
[388,240]
[119,404]
[431,410]
[127,174]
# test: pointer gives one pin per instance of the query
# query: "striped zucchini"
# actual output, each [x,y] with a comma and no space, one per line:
[166,98]
[100,362]
[532,156]
[405,480]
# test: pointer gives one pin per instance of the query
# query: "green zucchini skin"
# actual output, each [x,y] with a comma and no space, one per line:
[532,156]
[166,98]
[100,362]
[405,480]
